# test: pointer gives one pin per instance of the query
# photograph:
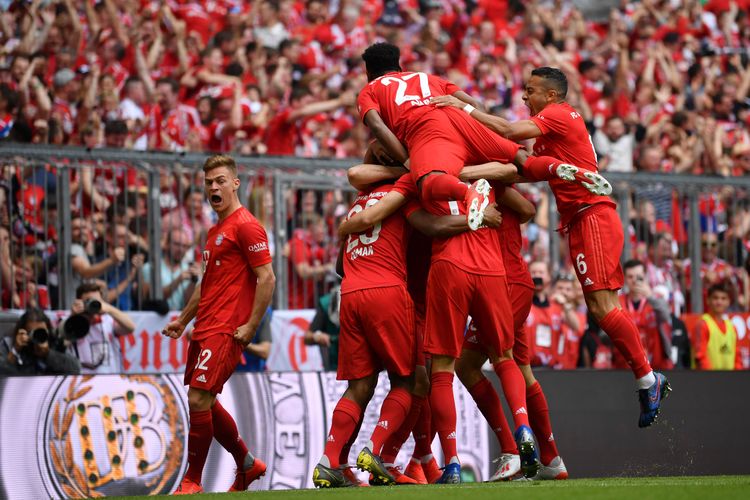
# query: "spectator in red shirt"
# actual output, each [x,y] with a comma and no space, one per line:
[650,314]
[306,265]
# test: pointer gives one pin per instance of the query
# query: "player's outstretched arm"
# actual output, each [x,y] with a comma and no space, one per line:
[365,174]
[388,139]
[492,171]
[445,226]
[370,216]
[266,282]
[515,201]
[175,328]
[515,131]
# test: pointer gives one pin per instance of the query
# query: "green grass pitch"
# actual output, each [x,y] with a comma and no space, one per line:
[657,488]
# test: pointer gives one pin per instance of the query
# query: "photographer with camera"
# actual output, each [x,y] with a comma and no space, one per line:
[92,330]
[33,349]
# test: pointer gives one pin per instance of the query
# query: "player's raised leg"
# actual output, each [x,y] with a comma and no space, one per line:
[595,241]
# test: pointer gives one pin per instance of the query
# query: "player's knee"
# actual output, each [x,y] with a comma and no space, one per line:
[467,373]
[528,375]
[199,400]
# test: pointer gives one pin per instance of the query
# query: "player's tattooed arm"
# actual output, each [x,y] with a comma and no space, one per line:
[445,226]
[515,131]
[515,201]
[388,139]
[363,175]
[492,171]
[175,328]
[370,216]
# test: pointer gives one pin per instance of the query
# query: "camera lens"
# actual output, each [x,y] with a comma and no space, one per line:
[39,336]
[93,306]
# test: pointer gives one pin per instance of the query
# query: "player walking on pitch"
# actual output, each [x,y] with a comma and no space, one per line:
[591,221]
[228,305]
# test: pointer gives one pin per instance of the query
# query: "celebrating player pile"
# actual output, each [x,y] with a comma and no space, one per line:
[471,271]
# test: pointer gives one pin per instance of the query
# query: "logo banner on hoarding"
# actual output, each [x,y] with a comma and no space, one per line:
[127,435]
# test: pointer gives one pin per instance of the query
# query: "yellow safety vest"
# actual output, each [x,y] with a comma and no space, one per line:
[722,347]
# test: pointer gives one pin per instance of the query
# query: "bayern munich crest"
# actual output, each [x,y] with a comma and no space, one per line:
[111,436]
[219,239]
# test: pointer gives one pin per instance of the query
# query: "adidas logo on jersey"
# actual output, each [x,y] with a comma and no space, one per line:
[521,411]
[452,435]
[588,282]
[201,378]
[331,439]
[551,438]
[383,424]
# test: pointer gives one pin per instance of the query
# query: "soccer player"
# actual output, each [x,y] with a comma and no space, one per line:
[228,305]
[516,210]
[591,221]
[396,106]
[468,268]
[377,331]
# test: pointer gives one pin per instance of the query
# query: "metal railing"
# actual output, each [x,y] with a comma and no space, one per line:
[44,192]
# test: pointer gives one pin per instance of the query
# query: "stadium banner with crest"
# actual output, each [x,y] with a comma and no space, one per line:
[114,435]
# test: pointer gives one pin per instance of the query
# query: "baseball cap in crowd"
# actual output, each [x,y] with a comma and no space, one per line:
[63,77]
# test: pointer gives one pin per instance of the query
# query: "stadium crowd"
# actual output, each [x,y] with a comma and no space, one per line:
[663,85]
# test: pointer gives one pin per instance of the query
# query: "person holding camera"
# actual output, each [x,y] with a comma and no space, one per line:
[92,330]
[178,275]
[33,349]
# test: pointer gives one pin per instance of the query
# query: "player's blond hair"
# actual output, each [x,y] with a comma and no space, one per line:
[217,161]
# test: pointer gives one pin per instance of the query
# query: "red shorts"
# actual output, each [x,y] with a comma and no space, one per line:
[211,361]
[377,331]
[520,297]
[453,295]
[595,240]
[460,139]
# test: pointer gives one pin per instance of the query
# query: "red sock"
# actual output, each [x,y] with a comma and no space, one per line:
[393,413]
[344,457]
[489,404]
[624,335]
[397,439]
[444,412]
[422,432]
[346,415]
[225,432]
[540,168]
[514,389]
[443,187]
[199,441]
[540,424]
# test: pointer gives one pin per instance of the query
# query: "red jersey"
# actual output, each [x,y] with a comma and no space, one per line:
[402,99]
[476,252]
[546,336]
[645,319]
[282,135]
[376,257]
[511,243]
[234,247]
[564,136]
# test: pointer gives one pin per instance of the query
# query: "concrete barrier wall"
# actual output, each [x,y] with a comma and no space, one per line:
[704,428]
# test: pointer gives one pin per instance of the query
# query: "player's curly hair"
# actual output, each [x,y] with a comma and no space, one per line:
[217,161]
[381,58]
[553,78]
